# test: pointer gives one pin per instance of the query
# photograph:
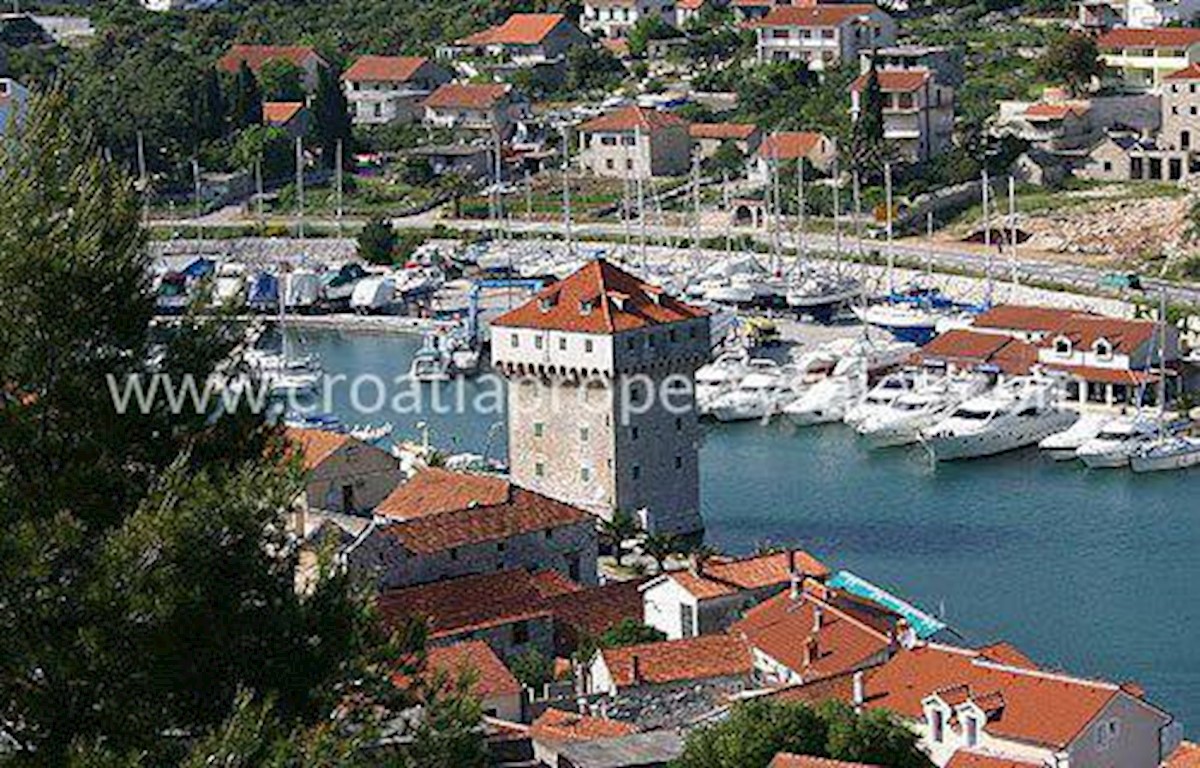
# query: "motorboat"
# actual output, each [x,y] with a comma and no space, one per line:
[264,293]
[720,376]
[759,395]
[371,433]
[1119,439]
[828,400]
[267,361]
[1061,446]
[373,294]
[339,286]
[819,295]
[1019,413]
[301,290]
[171,296]
[230,286]
[739,289]
[1167,453]
[290,383]
[431,362]
[906,322]
[875,356]
[880,396]
[902,421]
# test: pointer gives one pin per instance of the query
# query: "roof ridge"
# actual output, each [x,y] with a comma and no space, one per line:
[1062,677]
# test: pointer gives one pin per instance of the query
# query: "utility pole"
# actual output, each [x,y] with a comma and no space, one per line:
[258,188]
[837,207]
[987,237]
[696,206]
[801,241]
[300,186]
[891,254]
[196,192]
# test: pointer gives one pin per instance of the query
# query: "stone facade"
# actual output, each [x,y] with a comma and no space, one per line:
[614,18]
[379,94]
[634,155]
[508,639]
[1181,113]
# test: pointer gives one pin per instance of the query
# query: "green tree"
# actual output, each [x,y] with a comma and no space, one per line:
[617,530]
[377,241]
[416,171]
[660,546]
[867,150]
[532,669]
[728,159]
[281,80]
[647,29]
[268,144]
[331,118]
[592,68]
[1072,59]
[246,105]
[210,106]
[629,632]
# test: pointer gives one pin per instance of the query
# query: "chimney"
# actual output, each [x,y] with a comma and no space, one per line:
[818,617]
[860,693]
[795,588]
[904,633]
[811,652]
[696,564]
[582,704]
[792,569]
[635,670]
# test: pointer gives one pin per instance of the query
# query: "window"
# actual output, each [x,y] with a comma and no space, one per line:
[780,34]
[629,163]
[537,342]
[633,433]
[1107,166]
[937,726]
[348,499]
[1107,733]
[687,620]
[610,164]
[588,344]
[1062,346]
[1103,348]
[500,546]
[516,341]
[562,344]
[539,429]
[678,462]
[637,471]
[454,553]
[608,141]
[549,534]
[671,335]
[1185,139]
[539,469]
[972,731]
[904,101]
[678,423]
[520,633]
[585,475]
[584,434]
[574,571]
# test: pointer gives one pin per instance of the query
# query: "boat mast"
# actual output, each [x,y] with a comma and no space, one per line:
[837,211]
[566,189]
[641,194]
[773,203]
[338,185]
[891,254]
[987,238]
[862,257]
[300,186]
[1012,231]
[1162,363]
[728,211]
[801,242]
[696,209]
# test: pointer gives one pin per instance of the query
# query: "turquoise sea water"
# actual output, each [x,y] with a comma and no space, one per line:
[1093,572]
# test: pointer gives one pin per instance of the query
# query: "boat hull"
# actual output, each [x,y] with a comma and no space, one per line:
[994,442]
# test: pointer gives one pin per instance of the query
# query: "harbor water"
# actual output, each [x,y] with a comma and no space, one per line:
[1092,572]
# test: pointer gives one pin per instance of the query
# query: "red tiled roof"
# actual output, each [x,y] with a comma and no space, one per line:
[517,29]
[1186,755]
[964,758]
[718,579]
[789,145]
[387,69]
[467,95]
[839,687]
[595,610]
[316,444]
[1008,654]
[557,725]
[1085,330]
[812,16]
[618,301]
[467,603]
[691,5]
[1190,72]
[730,131]
[1044,111]
[1018,317]
[633,118]
[616,46]
[280,112]
[967,348]
[677,661]
[473,658]
[1035,707]
[257,55]
[787,760]
[1159,37]
[438,510]
[554,584]
[894,81]
[787,631]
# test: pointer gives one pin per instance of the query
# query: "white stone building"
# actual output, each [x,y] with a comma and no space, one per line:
[823,36]
[635,142]
[918,112]
[1140,59]
[614,18]
[492,108]
[386,89]
[817,149]
[345,475]
[1136,14]
[601,412]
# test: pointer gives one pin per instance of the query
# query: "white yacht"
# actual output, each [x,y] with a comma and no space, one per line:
[882,395]
[1120,439]
[1017,414]
[373,294]
[1061,446]
[901,423]
[819,295]
[828,400]
[431,362]
[719,376]
[230,286]
[1168,453]
[759,395]
[301,290]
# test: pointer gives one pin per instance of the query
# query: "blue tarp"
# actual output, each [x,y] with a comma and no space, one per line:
[200,268]
[922,623]
[265,289]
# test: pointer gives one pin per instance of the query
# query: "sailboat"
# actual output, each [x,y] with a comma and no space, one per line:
[1168,452]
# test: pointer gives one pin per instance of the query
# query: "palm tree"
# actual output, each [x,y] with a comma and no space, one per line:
[660,546]
[617,530]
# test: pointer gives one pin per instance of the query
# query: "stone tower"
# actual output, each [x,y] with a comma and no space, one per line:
[601,409]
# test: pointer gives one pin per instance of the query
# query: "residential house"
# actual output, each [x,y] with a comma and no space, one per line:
[945,62]
[290,116]
[752,10]
[635,142]
[255,56]
[788,760]
[656,749]
[1181,111]
[387,89]
[823,35]
[523,39]
[585,613]
[918,112]
[554,729]
[14,99]
[1141,59]
[687,11]
[788,146]
[708,137]
[492,108]
[575,355]
[710,595]
[1131,157]
[614,18]
[1103,15]
[971,709]
[1059,123]
[720,662]
[505,609]
[471,161]
[500,694]
[344,475]
[960,349]
[443,524]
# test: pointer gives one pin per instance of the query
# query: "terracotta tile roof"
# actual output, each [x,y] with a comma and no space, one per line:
[1008,654]
[467,95]
[719,579]
[517,29]
[1085,330]
[554,584]
[964,758]
[616,46]
[387,69]
[812,16]
[632,118]
[789,145]
[839,687]
[894,81]
[691,5]
[557,725]
[1044,111]
[438,510]
[1019,317]
[317,444]
[617,302]
[724,131]
[256,56]
[966,348]
[787,631]
[1190,72]
[787,760]
[474,658]
[1186,755]
[280,112]
[1159,37]
[677,661]
[594,610]
[1034,707]
[467,603]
